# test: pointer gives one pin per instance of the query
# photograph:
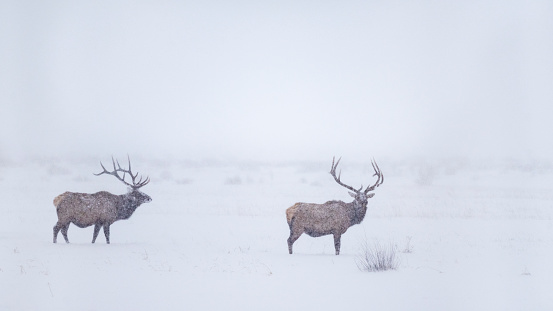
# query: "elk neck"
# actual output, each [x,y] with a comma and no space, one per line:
[127,205]
[357,212]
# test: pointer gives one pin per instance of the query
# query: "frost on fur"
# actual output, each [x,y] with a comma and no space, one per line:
[332,217]
[100,209]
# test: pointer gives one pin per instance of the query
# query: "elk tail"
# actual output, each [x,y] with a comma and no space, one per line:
[290,213]
[57,200]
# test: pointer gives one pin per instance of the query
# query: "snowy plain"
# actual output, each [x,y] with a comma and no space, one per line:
[479,235]
[279,81]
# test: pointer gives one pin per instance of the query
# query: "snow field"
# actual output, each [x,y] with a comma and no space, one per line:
[214,237]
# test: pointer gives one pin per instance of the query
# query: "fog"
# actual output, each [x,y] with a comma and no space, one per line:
[276,80]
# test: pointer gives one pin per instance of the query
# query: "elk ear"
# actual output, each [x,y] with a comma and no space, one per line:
[370,195]
[352,194]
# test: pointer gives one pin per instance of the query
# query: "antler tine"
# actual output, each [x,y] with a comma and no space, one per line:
[101,172]
[377,172]
[380,172]
[117,168]
[333,167]
[114,173]
[136,184]
[374,166]
[337,179]
[130,171]
[142,183]
[139,181]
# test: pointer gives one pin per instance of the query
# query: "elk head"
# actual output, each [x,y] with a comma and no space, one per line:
[360,197]
[135,195]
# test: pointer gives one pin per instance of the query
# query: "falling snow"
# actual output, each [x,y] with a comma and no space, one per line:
[473,230]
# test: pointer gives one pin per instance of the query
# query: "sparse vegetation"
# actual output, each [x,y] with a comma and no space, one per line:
[184,181]
[426,174]
[408,247]
[526,272]
[234,181]
[376,257]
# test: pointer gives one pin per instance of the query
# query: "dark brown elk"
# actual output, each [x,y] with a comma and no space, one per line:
[100,209]
[332,217]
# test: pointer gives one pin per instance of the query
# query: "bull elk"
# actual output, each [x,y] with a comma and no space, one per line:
[332,217]
[100,209]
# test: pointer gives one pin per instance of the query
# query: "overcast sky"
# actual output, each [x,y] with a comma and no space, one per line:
[269,80]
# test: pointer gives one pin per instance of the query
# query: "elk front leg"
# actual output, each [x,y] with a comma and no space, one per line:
[96,231]
[57,228]
[106,232]
[337,243]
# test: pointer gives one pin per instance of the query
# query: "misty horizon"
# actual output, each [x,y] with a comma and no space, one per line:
[277,80]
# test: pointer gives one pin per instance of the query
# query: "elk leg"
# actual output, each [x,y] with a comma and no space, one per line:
[293,237]
[337,243]
[106,232]
[96,231]
[57,228]
[64,232]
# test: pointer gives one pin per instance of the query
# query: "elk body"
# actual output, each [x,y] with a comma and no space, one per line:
[332,217]
[100,209]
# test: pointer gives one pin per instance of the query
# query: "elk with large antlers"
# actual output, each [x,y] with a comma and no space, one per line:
[332,217]
[100,209]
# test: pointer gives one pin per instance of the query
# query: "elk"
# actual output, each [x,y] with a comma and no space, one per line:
[100,209]
[332,217]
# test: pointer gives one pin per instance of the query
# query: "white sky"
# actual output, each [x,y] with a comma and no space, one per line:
[271,80]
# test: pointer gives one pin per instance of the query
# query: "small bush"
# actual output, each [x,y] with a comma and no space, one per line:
[408,247]
[377,257]
[236,180]
[426,175]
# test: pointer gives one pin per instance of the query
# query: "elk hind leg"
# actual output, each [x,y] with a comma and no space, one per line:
[337,243]
[57,229]
[294,235]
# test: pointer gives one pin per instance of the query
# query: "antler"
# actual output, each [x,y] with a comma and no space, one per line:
[337,179]
[135,184]
[378,173]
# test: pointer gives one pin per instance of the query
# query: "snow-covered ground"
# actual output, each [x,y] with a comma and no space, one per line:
[480,235]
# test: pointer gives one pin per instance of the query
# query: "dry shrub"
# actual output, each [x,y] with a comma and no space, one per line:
[376,257]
